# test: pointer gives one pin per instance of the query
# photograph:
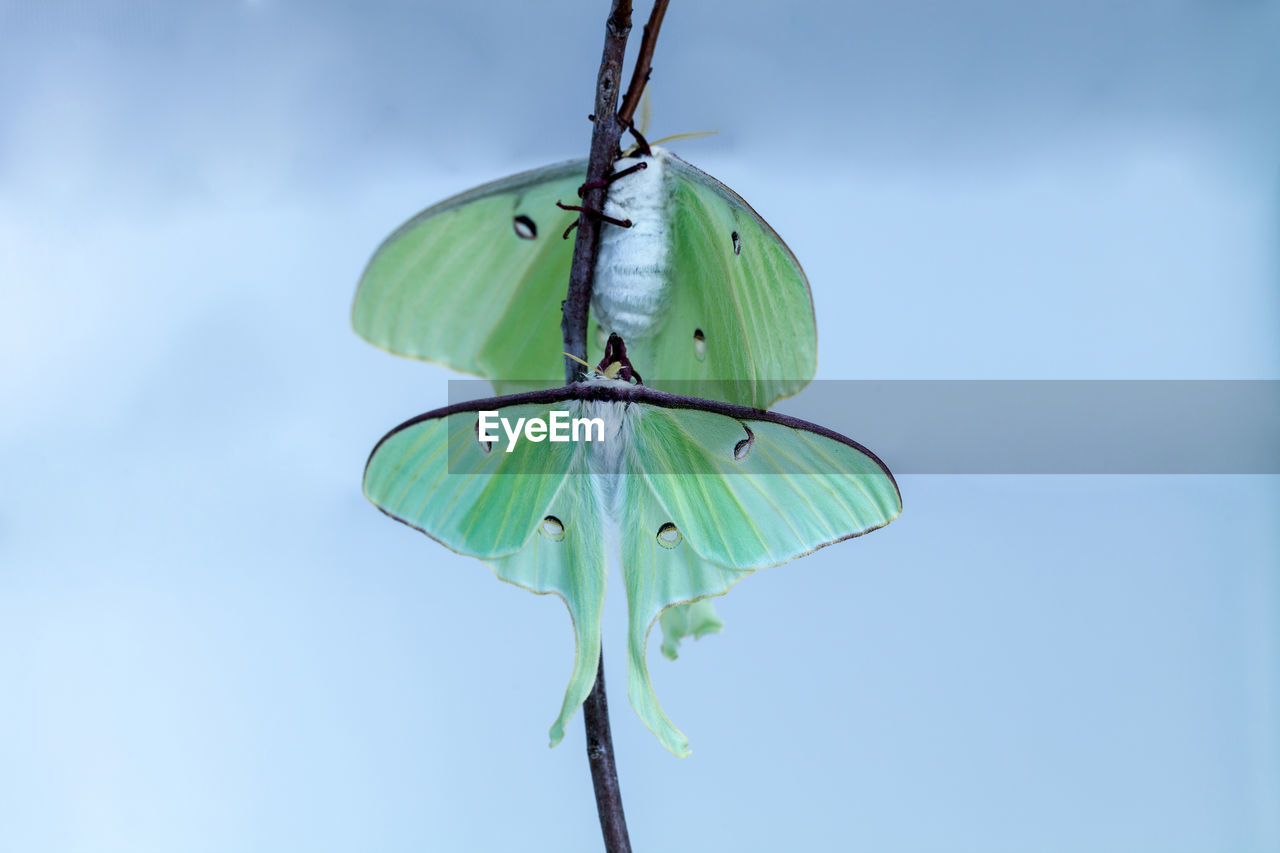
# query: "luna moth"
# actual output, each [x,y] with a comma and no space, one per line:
[702,493]
[709,298]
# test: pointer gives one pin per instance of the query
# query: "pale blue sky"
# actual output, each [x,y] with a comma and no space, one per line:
[209,640]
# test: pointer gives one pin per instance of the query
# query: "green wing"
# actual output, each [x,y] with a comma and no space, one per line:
[476,281]
[740,325]
[687,620]
[458,284]
[710,498]
[529,514]
[740,328]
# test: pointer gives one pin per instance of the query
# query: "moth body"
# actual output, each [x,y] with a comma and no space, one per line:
[631,275]
[606,460]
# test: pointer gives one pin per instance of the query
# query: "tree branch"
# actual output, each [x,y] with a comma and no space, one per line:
[605,135]
[644,63]
[604,774]
[604,151]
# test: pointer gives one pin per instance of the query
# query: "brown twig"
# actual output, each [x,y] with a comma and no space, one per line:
[604,774]
[606,133]
[604,151]
[644,63]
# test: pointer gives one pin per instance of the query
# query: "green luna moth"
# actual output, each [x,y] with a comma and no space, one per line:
[707,296]
[711,300]
[701,494]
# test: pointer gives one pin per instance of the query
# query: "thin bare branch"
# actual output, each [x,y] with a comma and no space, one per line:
[604,151]
[604,774]
[644,63]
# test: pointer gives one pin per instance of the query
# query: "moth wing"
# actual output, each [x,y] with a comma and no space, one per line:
[740,326]
[458,284]
[687,620]
[712,497]
[529,514]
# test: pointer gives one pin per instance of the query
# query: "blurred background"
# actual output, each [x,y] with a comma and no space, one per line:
[210,641]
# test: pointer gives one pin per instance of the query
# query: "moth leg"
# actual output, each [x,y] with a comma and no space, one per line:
[642,144]
[593,185]
[598,214]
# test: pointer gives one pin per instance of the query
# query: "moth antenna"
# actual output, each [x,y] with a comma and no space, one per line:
[611,372]
[692,134]
[585,364]
[646,109]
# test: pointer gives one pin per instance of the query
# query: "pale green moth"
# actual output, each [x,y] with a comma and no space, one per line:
[708,296]
[702,493]
[709,299]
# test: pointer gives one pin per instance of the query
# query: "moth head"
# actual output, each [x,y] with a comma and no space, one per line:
[614,365]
